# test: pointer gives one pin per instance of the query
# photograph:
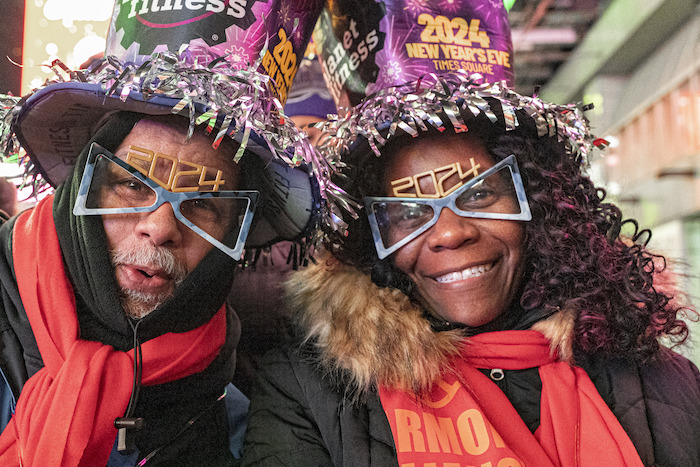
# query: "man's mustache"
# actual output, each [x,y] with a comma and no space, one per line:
[152,257]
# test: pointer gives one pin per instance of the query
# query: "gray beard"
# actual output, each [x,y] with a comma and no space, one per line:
[138,304]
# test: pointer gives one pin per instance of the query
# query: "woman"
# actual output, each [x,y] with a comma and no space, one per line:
[485,311]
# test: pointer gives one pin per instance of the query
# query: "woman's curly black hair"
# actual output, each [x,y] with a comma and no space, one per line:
[575,257]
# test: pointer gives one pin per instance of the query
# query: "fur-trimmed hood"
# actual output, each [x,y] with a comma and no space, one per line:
[377,335]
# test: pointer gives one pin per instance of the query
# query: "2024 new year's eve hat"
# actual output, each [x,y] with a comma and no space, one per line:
[402,66]
[227,66]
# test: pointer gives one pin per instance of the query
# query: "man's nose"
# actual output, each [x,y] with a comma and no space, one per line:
[451,231]
[161,227]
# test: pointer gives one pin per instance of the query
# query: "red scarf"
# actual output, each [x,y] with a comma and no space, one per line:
[467,419]
[65,413]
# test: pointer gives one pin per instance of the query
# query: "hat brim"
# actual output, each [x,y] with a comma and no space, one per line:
[54,124]
[494,117]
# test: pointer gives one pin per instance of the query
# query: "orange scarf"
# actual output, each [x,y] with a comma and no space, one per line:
[467,419]
[65,413]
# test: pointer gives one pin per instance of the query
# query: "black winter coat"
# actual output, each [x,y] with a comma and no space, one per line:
[319,407]
[299,417]
[211,436]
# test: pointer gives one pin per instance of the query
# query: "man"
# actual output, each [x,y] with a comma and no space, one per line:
[116,347]
[159,271]
[152,252]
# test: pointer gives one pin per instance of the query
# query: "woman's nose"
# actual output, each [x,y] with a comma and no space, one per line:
[161,227]
[452,231]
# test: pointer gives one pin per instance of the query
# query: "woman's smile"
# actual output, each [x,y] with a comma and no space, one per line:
[464,274]
[466,270]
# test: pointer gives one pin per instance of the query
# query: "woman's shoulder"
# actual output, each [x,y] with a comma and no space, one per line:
[657,402]
[668,369]
[673,365]
[298,414]
[668,379]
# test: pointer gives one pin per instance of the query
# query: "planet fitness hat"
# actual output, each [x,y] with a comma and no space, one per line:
[225,65]
[405,67]
[368,46]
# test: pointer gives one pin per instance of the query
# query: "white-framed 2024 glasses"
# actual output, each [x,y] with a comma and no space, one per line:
[112,186]
[497,193]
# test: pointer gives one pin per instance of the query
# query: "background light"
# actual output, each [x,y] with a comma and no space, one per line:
[70,30]
[508,4]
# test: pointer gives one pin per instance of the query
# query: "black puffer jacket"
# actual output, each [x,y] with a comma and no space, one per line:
[301,417]
[316,407]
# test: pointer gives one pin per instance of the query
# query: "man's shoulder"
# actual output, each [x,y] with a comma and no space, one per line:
[19,356]
[7,275]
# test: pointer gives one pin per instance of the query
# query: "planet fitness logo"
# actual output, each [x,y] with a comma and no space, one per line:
[157,22]
[348,38]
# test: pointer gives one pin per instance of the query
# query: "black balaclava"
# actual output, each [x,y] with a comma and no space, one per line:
[84,247]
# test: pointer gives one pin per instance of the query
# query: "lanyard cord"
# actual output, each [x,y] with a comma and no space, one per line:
[128,425]
[187,425]
[138,370]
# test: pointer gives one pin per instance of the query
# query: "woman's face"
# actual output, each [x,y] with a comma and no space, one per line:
[466,270]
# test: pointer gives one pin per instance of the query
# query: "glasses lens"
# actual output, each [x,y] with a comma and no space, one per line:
[112,186]
[397,220]
[493,194]
[219,217]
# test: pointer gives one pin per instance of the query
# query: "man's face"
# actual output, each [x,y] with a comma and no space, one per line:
[153,252]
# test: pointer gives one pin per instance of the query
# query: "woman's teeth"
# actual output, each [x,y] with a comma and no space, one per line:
[475,271]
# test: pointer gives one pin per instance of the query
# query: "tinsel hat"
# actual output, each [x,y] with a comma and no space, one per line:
[402,66]
[225,65]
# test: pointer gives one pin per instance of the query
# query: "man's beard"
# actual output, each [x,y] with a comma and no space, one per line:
[137,304]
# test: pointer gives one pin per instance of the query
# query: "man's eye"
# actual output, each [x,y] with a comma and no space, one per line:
[208,210]
[411,213]
[204,205]
[124,191]
[132,184]
[129,186]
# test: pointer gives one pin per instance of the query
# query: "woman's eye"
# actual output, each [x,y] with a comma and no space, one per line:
[477,197]
[409,215]
[480,194]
